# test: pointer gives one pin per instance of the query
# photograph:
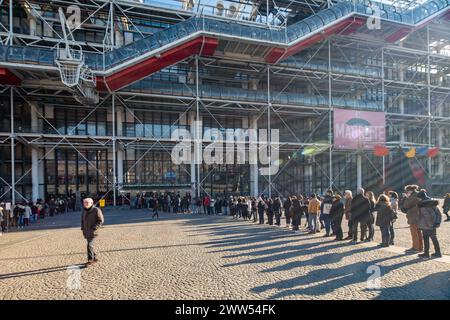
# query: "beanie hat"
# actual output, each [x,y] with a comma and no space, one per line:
[423,195]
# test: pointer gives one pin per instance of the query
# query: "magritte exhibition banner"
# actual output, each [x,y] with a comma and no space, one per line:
[355,129]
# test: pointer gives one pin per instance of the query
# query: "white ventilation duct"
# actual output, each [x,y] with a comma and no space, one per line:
[188,4]
[219,8]
[232,11]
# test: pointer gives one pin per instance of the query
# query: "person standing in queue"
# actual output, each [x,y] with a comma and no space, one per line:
[277,210]
[261,210]
[409,205]
[287,213]
[325,209]
[91,221]
[348,198]
[336,215]
[359,213]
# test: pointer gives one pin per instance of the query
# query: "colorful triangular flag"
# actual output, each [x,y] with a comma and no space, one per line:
[422,151]
[433,152]
[381,151]
[411,153]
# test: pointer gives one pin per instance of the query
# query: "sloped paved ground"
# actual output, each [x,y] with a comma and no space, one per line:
[198,257]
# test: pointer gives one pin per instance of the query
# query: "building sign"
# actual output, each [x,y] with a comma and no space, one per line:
[355,129]
[170,175]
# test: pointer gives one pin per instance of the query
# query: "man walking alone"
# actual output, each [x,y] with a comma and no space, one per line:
[91,220]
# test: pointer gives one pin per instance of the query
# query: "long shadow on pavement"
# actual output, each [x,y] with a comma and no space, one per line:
[239,241]
[40,271]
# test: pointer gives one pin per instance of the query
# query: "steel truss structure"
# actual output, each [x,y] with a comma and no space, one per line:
[399,69]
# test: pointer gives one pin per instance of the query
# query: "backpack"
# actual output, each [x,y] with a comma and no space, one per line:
[438,218]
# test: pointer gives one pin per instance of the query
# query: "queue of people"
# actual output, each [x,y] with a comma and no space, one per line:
[23,214]
[362,212]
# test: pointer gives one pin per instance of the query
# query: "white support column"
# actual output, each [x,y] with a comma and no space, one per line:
[430,166]
[401,103]
[440,158]
[35,181]
[198,133]
[32,24]
[114,148]
[120,151]
[13,156]
[11,24]
[330,120]
[191,118]
[254,168]
[359,171]
[269,135]
[309,178]
[34,174]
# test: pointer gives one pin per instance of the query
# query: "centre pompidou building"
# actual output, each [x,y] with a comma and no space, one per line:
[92,91]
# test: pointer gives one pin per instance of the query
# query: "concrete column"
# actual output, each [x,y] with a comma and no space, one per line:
[190,121]
[34,175]
[32,24]
[120,151]
[309,177]
[37,175]
[35,125]
[254,168]
[359,171]
[119,38]
[440,158]
[401,103]
[48,31]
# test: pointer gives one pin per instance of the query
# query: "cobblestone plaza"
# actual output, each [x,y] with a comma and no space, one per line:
[211,257]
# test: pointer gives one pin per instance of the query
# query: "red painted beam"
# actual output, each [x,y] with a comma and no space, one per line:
[204,46]
[9,78]
[399,34]
[277,53]
[446,15]
[357,23]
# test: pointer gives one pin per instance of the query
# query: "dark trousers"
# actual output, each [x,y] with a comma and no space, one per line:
[270,218]
[327,221]
[90,249]
[155,214]
[296,219]
[322,221]
[336,226]
[391,230]
[288,218]
[355,229]
[261,217]
[385,235]
[446,214]
[427,234]
[350,228]
[255,215]
[26,221]
[368,225]
[277,218]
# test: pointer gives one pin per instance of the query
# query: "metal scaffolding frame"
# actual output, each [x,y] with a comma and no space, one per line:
[320,81]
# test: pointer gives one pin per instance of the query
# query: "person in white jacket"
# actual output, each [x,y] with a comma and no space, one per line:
[27,215]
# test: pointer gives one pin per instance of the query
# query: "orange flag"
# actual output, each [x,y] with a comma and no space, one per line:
[411,153]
